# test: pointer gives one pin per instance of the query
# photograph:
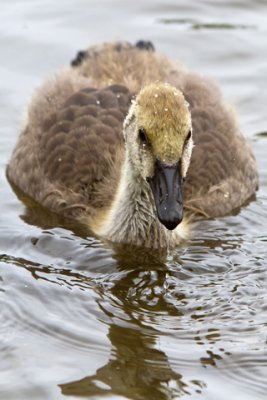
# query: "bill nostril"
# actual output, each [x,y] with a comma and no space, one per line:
[161,198]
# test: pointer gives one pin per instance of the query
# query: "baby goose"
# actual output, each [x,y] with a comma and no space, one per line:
[109,143]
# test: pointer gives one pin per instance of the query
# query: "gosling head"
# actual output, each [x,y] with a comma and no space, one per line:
[158,135]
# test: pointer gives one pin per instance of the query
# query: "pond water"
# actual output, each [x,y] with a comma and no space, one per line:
[82,318]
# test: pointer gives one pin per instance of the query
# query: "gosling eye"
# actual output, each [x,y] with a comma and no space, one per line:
[142,136]
[188,135]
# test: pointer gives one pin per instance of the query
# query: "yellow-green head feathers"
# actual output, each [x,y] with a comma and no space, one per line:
[162,111]
[158,128]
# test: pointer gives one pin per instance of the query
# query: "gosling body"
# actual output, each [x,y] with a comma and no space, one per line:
[103,137]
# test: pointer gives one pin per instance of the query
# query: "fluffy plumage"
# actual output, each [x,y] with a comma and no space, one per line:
[80,155]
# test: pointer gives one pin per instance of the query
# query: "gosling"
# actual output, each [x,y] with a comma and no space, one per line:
[109,142]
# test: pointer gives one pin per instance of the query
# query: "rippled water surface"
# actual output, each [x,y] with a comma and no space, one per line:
[82,318]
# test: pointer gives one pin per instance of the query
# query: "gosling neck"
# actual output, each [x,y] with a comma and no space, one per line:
[132,218]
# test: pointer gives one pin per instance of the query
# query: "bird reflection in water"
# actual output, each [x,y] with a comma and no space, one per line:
[136,367]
